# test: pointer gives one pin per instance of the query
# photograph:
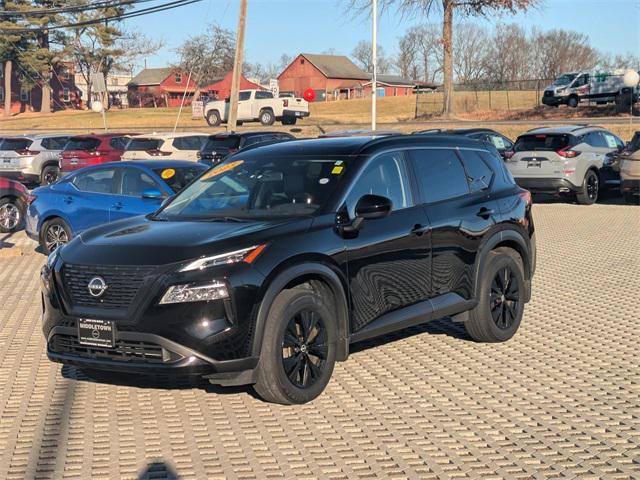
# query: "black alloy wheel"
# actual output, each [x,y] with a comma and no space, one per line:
[592,187]
[505,298]
[304,348]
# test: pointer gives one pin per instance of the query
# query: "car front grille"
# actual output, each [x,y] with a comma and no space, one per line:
[123,351]
[123,283]
[548,93]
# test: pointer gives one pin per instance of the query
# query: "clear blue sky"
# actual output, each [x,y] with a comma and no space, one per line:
[292,26]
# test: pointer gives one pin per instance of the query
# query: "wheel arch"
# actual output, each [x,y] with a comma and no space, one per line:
[505,238]
[321,276]
[51,216]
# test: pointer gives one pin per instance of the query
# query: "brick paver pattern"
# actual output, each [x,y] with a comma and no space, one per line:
[560,400]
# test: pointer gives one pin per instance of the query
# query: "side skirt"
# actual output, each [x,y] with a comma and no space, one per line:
[438,307]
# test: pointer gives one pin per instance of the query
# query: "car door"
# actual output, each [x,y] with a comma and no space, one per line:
[131,183]
[88,201]
[460,210]
[244,107]
[389,259]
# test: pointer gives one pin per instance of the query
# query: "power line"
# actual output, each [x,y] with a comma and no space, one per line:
[122,16]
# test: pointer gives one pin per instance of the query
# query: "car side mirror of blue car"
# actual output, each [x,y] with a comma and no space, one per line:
[152,194]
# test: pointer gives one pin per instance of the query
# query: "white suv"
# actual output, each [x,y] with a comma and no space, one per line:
[165,146]
[32,158]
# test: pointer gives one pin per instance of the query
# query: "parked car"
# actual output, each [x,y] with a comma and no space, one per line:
[102,194]
[169,146]
[217,147]
[574,161]
[13,202]
[12,150]
[585,86]
[503,144]
[93,149]
[258,105]
[35,157]
[267,267]
[629,166]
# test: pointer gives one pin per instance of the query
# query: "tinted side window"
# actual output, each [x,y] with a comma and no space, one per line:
[479,175]
[501,143]
[440,174]
[119,143]
[595,139]
[95,181]
[386,176]
[260,94]
[188,143]
[54,143]
[135,182]
[254,139]
[242,96]
[503,175]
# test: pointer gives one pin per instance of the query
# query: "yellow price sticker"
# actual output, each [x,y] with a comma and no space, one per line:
[221,169]
[167,173]
[337,170]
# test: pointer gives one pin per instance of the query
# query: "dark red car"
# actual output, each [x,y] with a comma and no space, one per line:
[13,204]
[92,149]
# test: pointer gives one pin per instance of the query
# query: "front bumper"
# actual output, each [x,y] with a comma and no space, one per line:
[548,185]
[212,339]
[553,101]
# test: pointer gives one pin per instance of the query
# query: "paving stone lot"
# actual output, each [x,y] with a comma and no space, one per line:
[560,400]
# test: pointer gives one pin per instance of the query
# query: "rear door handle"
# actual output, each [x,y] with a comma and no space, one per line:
[117,206]
[485,212]
[68,200]
[419,230]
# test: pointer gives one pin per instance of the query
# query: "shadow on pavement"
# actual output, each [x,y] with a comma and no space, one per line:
[158,470]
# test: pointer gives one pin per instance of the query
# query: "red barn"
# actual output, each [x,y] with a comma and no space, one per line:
[221,87]
[391,86]
[64,93]
[160,87]
[328,75]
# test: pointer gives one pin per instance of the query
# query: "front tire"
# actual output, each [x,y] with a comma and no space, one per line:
[54,234]
[590,189]
[213,118]
[573,102]
[11,215]
[501,298]
[49,175]
[298,348]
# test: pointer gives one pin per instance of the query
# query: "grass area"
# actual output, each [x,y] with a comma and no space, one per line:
[393,113]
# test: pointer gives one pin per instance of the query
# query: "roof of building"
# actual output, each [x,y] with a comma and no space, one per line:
[336,66]
[151,76]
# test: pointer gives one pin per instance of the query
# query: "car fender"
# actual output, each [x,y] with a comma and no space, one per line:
[286,276]
[498,237]
[55,213]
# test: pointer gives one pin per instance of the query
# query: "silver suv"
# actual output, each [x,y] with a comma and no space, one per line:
[574,161]
[32,158]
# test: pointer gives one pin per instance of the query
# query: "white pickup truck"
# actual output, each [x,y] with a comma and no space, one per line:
[258,106]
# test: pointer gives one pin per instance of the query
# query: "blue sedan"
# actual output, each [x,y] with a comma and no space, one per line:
[102,194]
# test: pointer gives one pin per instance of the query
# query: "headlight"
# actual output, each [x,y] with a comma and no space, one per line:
[195,293]
[247,255]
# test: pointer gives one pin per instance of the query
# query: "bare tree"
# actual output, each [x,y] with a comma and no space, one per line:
[424,8]
[362,55]
[564,51]
[406,58]
[470,48]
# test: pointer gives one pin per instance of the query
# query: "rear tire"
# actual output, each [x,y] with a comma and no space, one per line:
[501,298]
[49,175]
[54,234]
[11,214]
[590,189]
[213,118]
[267,118]
[298,348]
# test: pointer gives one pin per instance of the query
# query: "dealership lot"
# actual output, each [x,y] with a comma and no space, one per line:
[559,400]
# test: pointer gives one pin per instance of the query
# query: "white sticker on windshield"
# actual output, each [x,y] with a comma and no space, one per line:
[498,142]
[323,181]
[611,141]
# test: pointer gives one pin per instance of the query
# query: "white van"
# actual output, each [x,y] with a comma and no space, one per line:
[571,88]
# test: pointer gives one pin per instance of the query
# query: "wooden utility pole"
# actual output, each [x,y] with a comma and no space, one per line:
[237,68]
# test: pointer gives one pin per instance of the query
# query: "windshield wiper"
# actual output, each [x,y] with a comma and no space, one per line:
[227,219]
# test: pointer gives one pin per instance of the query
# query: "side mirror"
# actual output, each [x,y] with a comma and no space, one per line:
[506,154]
[152,194]
[370,207]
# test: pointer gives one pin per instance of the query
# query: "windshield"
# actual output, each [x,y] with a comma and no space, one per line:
[258,187]
[565,79]
[177,178]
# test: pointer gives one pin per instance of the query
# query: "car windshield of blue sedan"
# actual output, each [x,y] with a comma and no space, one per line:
[258,188]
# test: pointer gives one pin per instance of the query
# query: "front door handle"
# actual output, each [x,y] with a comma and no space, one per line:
[68,200]
[419,229]
[117,206]
[485,212]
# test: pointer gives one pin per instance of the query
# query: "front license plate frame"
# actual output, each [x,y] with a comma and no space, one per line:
[96,333]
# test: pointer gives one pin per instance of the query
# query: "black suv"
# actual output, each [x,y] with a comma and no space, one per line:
[266,268]
[220,145]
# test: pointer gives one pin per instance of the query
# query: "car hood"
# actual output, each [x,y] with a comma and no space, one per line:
[142,241]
